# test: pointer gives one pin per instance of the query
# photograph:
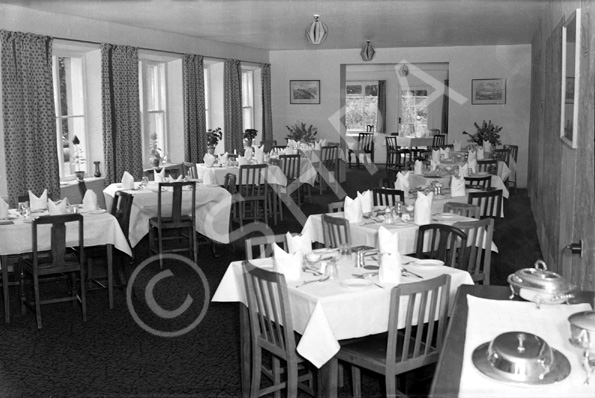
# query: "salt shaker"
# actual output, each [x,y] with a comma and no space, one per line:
[388,216]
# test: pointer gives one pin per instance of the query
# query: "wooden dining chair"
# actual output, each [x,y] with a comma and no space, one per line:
[291,166]
[189,170]
[514,150]
[264,244]
[489,202]
[399,160]
[478,255]
[502,155]
[439,140]
[365,146]
[231,186]
[336,207]
[271,331]
[59,260]
[441,242]
[404,347]
[391,146]
[387,196]
[335,231]
[329,166]
[254,201]
[478,182]
[489,166]
[174,223]
[463,209]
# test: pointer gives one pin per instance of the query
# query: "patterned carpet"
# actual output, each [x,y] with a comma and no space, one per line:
[112,356]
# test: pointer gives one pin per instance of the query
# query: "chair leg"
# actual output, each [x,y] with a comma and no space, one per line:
[356,381]
[84,293]
[37,300]
[256,370]
[276,370]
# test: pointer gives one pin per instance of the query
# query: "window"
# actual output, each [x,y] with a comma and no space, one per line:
[207,97]
[414,111]
[153,109]
[361,105]
[69,98]
[248,98]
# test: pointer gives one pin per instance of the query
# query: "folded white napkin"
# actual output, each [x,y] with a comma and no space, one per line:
[434,164]
[248,153]
[419,167]
[90,201]
[457,186]
[353,210]
[287,264]
[390,268]
[242,161]
[471,154]
[436,155]
[445,153]
[387,242]
[301,242]
[367,201]
[464,170]
[259,154]
[317,145]
[127,181]
[159,175]
[472,164]
[59,207]
[3,209]
[422,214]
[223,159]
[457,146]
[209,159]
[323,142]
[402,183]
[487,146]
[480,153]
[38,203]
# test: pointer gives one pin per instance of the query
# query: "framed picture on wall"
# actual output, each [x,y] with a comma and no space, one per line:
[488,91]
[304,91]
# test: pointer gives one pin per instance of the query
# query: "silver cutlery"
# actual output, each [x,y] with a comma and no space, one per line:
[412,273]
[363,276]
[312,281]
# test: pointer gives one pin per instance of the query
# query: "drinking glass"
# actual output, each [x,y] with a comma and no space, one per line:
[331,269]
[21,208]
[144,182]
[345,252]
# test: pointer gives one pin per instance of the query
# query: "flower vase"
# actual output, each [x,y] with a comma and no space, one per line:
[211,150]
[97,172]
[155,162]
[247,142]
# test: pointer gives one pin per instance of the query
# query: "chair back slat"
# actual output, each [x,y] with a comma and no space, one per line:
[388,196]
[441,242]
[290,164]
[489,166]
[335,231]
[365,142]
[57,236]
[463,209]
[439,140]
[264,245]
[177,196]
[502,155]
[480,182]
[489,202]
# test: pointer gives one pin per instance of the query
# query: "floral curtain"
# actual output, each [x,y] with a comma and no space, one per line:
[195,122]
[444,129]
[122,138]
[381,117]
[267,112]
[233,105]
[29,115]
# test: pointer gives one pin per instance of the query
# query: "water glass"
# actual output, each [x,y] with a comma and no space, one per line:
[21,208]
[144,182]
[345,252]
[331,269]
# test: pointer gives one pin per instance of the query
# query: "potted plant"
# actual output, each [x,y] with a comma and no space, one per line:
[300,133]
[154,150]
[249,135]
[78,158]
[213,137]
[488,132]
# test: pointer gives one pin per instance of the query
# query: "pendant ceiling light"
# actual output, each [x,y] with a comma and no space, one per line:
[317,31]
[404,71]
[368,52]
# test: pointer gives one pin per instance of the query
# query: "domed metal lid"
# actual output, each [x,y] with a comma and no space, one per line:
[540,279]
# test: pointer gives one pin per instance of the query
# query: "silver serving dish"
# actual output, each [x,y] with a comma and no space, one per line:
[540,285]
[582,331]
[520,357]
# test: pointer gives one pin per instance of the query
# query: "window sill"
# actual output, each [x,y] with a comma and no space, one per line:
[75,181]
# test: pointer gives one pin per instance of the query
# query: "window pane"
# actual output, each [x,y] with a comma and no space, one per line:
[247,116]
[71,86]
[354,89]
[75,156]
[156,126]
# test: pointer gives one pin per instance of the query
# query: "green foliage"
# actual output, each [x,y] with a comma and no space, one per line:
[213,136]
[250,133]
[154,150]
[487,132]
[299,132]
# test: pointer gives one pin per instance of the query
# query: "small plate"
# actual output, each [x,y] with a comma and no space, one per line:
[447,215]
[429,263]
[98,211]
[356,283]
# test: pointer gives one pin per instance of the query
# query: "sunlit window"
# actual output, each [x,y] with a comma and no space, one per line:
[248,98]
[361,105]
[414,111]
[153,107]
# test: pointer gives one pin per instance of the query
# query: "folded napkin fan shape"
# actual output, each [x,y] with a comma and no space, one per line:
[419,167]
[353,210]
[422,214]
[127,181]
[457,186]
[366,201]
[209,159]
[90,201]
[302,242]
[287,264]
[38,203]
[58,207]
[3,209]
[402,183]
[390,258]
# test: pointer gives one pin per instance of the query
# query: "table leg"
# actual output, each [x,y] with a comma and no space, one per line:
[328,376]
[110,275]
[4,265]
[245,359]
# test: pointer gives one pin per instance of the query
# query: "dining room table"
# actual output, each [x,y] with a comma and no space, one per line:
[480,314]
[411,142]
[365,233]
[100,228]
[355,304]
[212,203]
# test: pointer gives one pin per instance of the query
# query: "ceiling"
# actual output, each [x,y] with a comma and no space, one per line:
[280,24]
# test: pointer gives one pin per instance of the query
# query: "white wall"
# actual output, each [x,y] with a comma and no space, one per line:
[465,63]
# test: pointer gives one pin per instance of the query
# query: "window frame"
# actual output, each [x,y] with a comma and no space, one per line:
[248,94]
[162,88]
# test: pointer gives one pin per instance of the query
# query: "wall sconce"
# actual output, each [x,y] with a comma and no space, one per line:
[368,52]
[404,71]
[316,33]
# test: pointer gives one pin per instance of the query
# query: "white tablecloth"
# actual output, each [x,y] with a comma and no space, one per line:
[327,312]
[415,141]
[99,229]
[417,180]
[213,207]
[366,233]
[489,318]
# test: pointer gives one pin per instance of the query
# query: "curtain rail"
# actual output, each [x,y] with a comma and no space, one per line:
[153,49]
